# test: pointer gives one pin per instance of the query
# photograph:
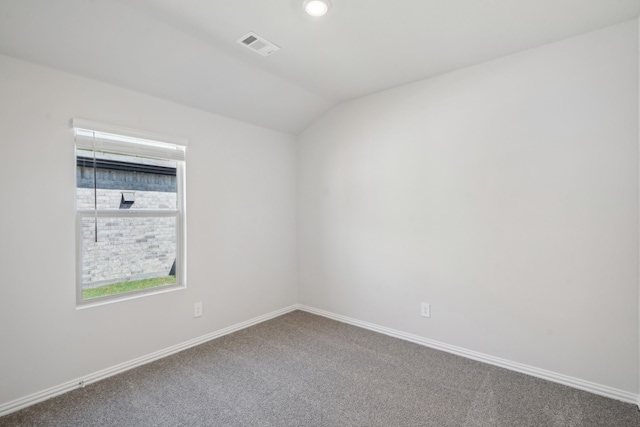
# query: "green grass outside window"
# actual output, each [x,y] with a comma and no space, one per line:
[128,286]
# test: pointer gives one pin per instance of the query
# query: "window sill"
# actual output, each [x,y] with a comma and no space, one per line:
[126,297]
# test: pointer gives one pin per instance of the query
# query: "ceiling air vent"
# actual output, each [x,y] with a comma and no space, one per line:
[258,44]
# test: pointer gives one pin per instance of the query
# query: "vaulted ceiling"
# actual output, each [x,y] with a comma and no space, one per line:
[186,51]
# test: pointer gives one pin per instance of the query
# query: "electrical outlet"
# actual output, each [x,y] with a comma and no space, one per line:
[425,310]
[197,309]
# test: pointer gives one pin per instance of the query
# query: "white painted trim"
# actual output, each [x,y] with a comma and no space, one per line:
[578,383]
[40,396]
[78,123]
[599,389]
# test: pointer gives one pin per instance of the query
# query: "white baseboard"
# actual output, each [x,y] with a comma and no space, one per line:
[599,389]
[578,383]
[40,396]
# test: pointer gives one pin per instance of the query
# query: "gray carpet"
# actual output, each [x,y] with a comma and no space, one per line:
[304,370]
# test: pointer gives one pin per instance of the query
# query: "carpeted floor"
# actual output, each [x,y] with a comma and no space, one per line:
[304,370]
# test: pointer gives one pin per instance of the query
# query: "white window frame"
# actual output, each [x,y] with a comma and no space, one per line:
[118,139]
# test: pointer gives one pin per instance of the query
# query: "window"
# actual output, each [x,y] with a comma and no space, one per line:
[130,203]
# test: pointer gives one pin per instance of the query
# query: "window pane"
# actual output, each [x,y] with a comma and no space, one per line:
[129,254]
[124,182]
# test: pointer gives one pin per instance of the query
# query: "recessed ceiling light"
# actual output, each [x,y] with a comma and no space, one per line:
[317,7]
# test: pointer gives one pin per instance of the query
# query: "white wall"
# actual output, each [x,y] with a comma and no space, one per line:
[241,230]
[504,194]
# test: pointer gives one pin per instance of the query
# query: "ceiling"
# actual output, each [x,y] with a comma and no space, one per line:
[185,50]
